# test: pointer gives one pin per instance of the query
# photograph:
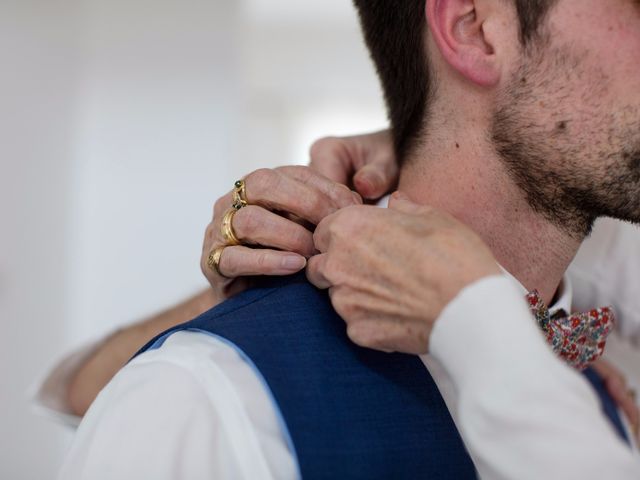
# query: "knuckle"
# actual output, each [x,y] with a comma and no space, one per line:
[352,213]
[322,145]
[209,234]
[316,236]
[262,260]
[363,335]
[344,304]
[342,195]
[219,205]
[335,229]
[347,220]
[301,239]
[315,204]
[228,264]
[320,268]
[262,179]
[246,222]
[354,332]
[343,307]
[329,274]
[314,268]
[348,310]
[377,340]
[301,171]
[332,274]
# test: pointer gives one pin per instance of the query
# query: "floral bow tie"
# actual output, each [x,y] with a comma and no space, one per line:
[578,339]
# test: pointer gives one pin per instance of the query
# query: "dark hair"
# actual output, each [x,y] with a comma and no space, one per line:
[394,33]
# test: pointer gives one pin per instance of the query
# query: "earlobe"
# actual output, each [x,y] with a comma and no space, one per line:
[456,27]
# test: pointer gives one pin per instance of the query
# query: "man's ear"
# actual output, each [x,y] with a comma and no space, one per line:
[457,28]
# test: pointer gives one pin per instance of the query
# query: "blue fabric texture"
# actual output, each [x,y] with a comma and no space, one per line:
[350,413]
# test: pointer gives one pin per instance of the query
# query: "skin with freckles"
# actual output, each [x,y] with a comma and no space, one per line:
[567,125]
[527,145]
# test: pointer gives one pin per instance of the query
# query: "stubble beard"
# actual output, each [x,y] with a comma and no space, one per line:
[572,163]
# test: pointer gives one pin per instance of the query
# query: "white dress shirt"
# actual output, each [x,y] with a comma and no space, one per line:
[198,408]
[606,271]
[522,413]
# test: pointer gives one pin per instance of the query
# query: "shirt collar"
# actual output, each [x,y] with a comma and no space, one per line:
[563,297]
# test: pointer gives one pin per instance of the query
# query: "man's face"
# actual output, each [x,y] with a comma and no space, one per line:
[567,124]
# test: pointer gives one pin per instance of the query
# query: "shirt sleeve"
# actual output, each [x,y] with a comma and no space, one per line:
[521,412]
[192,409]
[49,395]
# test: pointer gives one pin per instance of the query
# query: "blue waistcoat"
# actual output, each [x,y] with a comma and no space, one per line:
[348,412]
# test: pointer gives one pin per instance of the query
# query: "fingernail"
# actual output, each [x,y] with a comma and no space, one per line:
[366,183]
[357,197]
[374,179]
[293,262]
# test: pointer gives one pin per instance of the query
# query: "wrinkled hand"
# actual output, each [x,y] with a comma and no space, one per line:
[366,162]
[616,385]
[302,194]
[390,272]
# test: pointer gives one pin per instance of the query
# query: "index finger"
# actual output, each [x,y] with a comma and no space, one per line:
[342,195]
[322,233]
[315,271]
[298,190]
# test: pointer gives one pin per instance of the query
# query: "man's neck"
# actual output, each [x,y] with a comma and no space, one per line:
[464,177]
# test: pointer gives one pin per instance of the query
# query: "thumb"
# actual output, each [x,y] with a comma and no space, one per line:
[402,203]
[374,180]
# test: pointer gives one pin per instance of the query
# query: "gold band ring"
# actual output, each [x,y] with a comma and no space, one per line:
[213,262]
[226,229]
[239,195]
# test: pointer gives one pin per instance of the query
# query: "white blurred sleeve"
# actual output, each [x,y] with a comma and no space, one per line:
[49,394]
[521,412]
[192,409]
[606,271]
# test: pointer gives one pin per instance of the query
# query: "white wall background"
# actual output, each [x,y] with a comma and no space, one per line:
[121,121]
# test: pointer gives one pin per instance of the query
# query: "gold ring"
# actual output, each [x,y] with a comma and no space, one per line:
[228,234]
[213,262]
[239,195]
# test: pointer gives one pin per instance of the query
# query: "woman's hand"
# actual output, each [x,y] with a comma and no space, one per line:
[284,201]
[271,228]
[293,189]
[390,272]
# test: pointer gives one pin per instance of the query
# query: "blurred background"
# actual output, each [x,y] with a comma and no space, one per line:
[121,122]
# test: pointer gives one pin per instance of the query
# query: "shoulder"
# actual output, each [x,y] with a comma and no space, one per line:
[194,395]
